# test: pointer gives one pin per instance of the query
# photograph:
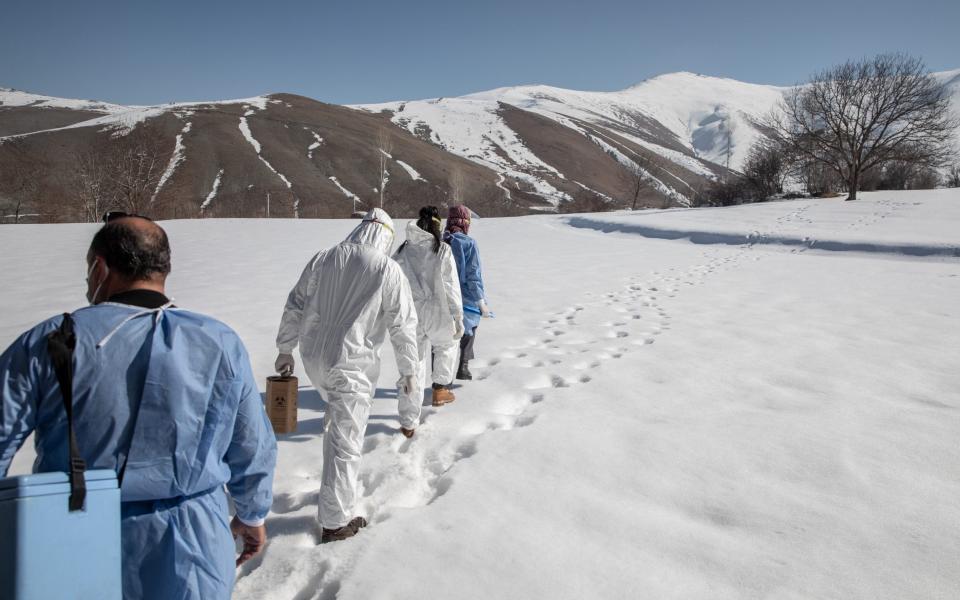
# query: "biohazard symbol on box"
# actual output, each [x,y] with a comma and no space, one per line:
[282,403]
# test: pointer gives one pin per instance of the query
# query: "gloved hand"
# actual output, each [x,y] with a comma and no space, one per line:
[457,329]
[407,384]
[484,309]
[284,364]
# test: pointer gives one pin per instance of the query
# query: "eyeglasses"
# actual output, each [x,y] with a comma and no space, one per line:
[113,215]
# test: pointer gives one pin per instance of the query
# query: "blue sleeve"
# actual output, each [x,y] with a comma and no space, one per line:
[19,393]
[252,455]
[474,276]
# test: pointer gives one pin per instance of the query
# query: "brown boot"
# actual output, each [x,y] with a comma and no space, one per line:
[442,395]
[347,531]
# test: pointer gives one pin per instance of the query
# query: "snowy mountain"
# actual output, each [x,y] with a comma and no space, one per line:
[505,151]
[279,155]
[693,122]
[696,125]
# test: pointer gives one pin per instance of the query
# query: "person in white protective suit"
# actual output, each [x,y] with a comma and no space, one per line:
[339,312]
[428,263]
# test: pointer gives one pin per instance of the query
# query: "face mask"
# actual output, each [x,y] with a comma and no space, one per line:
[93,299]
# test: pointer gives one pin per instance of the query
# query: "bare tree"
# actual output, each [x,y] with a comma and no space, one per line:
[645,172]
[91,185]
[137,163]
[953,176]
[120,176]
[384,148]
[457,186]
[726,191]
[765,169]
[858,115]
[23,198]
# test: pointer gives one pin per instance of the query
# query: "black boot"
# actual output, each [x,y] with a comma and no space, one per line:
[347,531]
[464,372]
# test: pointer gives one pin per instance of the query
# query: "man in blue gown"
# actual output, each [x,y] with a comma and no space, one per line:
[164,396]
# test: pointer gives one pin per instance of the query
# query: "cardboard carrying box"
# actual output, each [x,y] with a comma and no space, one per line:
[282,403]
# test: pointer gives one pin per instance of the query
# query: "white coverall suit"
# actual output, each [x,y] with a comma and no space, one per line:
[339,312]
[436,294]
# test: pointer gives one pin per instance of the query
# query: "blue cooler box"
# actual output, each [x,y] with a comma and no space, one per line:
[50,553]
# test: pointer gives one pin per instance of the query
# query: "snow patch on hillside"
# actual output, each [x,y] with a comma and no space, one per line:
[248,135]
[119,120]
[593,191]
[472,128]
[499,183]
[175,159]
[245,130]
[213,191]
[11,98]
[414,175]
[707,113]
[316,144]
[345,191]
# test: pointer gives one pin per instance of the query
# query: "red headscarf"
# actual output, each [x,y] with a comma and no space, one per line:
[458,219]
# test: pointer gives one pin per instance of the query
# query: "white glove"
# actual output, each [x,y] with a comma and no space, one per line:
[484,310]
[407,384]
[457,329]
[284,364]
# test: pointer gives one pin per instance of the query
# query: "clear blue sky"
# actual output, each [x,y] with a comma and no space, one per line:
[138,52]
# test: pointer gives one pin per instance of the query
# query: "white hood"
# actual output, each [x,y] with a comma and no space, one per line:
[376,230]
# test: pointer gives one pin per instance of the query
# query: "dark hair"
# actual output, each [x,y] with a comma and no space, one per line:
[430,221]
[136,252]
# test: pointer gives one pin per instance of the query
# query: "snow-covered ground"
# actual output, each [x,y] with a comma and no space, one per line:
[650,418]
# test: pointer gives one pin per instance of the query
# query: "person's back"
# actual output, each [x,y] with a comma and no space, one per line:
[464,250]
[341,309]
[470,274]
[166,398]
[339,312]
[424,267]
[428,264]
[160,373]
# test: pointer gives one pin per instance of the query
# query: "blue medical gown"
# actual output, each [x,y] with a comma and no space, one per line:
[467,257]
[201,427]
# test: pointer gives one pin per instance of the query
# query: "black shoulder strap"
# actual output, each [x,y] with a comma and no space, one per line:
[60,345]
[402,246]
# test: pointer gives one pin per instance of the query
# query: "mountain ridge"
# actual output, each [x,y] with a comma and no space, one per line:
[509,150]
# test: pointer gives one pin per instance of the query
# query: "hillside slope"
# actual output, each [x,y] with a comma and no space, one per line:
[504,152]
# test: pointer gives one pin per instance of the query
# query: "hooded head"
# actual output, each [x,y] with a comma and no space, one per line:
[458,219]
[376,230]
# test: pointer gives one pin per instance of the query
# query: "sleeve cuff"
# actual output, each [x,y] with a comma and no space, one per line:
[251,522]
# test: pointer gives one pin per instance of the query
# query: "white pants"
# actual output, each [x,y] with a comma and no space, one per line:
[345,424]
[444,357]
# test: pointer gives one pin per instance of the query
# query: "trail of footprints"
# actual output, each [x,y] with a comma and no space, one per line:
[572,344]
[885,209]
